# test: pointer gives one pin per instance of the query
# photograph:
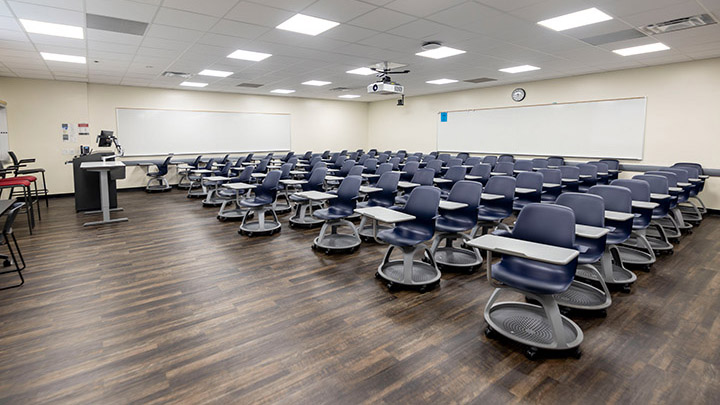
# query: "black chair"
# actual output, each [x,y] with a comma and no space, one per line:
[159,177]
[8,234]
[19,163]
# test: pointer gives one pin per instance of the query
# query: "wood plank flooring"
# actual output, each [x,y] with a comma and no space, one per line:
[176,307]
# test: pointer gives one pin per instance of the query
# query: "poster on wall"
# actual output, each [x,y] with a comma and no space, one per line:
[68,133]
[83,129]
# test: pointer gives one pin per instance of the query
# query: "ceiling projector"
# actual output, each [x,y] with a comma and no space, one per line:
[385,88]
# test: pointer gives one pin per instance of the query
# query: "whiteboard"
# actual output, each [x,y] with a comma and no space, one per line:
[594,129]
[159,132]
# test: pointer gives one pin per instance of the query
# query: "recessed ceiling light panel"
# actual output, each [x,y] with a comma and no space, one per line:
[317,83]
[441,52]
[215,73]
[304,24]
[636,50]
[362,71]
[193,84]
[282,91]
[57,30]
[520,69]
[574,20]
[56,57]
[249,55]
[441,81]
[349,96]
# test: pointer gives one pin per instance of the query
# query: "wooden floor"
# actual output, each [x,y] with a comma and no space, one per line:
[175,306]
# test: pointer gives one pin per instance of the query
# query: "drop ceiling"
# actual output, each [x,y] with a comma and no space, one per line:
[193,35]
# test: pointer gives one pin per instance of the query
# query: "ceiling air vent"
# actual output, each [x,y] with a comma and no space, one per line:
[101,22]
[340,89]
[250,85]
[176,74]
[480,80]
[678,24]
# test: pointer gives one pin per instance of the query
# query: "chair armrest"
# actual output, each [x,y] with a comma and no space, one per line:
[26,161]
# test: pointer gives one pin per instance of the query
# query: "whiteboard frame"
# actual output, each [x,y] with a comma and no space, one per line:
[437,140]
[117,125]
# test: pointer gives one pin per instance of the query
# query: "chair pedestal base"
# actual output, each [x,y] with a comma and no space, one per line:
[641,254]
[260,226]
[611,269]
[303,218]
[334,241]
[536,326]
[583,296]
[408,272]
[450,257]
[212,199]
[162,185]
[234,214]
[369,233]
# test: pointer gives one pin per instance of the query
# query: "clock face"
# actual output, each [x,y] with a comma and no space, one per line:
[518,94]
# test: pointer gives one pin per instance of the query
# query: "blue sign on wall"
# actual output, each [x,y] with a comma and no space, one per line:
[443,117]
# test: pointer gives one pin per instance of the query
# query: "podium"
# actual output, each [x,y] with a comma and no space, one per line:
[103,169]
[87,184]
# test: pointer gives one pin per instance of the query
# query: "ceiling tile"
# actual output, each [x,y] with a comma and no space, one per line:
[465,14]
[292,5]
[239,29]
[258,14]
[47,14]
[421,8]
[382,20]
[338,10]
[184,19]
[216,8]
[175,33]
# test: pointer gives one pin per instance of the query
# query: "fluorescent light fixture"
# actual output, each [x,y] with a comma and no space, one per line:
[441,52]
[249,55]
[317,83]
[282,91]
[636,50]
[215,73]
[193,84]
[362,71]
[577,19]
[520,69]
[58,30]
[441,81]
[307,25]
[349,96]
[57,57]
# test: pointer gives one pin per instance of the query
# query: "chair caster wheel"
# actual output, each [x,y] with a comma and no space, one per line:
[646,268]
[377,275]
[390,286]
[564,311]
[249,234]
[531,353]
[490,333]
[6,263]
[576,353]
[292,225]
[424,289]
[671,252]
[626,289]
[602,313]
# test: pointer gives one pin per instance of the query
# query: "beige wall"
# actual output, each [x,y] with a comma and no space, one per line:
[36,108]
[683,111]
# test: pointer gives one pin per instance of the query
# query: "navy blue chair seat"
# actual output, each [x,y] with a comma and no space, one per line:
[453,224]
[535,277]
[333,213]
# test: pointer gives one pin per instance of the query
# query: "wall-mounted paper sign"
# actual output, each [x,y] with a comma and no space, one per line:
[83,129]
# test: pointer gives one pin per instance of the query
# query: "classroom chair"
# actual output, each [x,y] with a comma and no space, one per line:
[481,170]
[530,181]
[570,178]
[462,156]
[454,174]
[11,183]
[385,197]
[184,180]
[552,184]
[314,183]
[423,177]
[613,168]
[9,240]
[522,165]
[410,168]
[490,160]
[539,327]
[436,165]
[370,165]
[345,169]
[18,164]
[197,188]
[336,216]
[589,211]
[506,159]
[539,163]
[453,224]
[637,251]
[493,210]
[410,237]
[473,161]
[588,177]
[697,174]
[159,177]
[691,213]
[656,234]
[603,173]
[555,162]
[681,195]
[395,162]
[228,196]
[503,169]
[259,206]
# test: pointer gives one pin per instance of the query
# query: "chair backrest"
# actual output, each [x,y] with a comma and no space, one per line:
[419,155]
[346,166]
[428,158]
[435,165]
[325,154]
[454,162]
[353,156]
[164,166]
[658,185]
[689,164]
[196,162]
[363,158]
[340,160]
[491,160]
[347,193]
[639,189]
[410,168]
[314,160]
[401,154]
[285,170]
[455,173]
[225,170]
[383,168]
[412,159]
[386,197]
[504,167]
[445,157]
[670,176]
[535,219]
[424,177]
[463,156]
[588,170]
[209,164]
[613,164]
[553,176]
[556,161]
[395,162]
[467,192]
[602,167]
[10,217]
[506,158]
[307,155]
[316,180]
[569,172]
[14,158]
[589,208]
[616,198]
[693,172]
[523,165]
[423,205]
[505,186]
[262,166]
[387,152]
[334,156]
[268,188]
[473,160]
[224,159]
[383,158]
[539,163]
[483,170]
[287,156]
[681,173]
[371,165]
[530,180]
[239,161]
[355,171]
[246,175]
[249,157]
